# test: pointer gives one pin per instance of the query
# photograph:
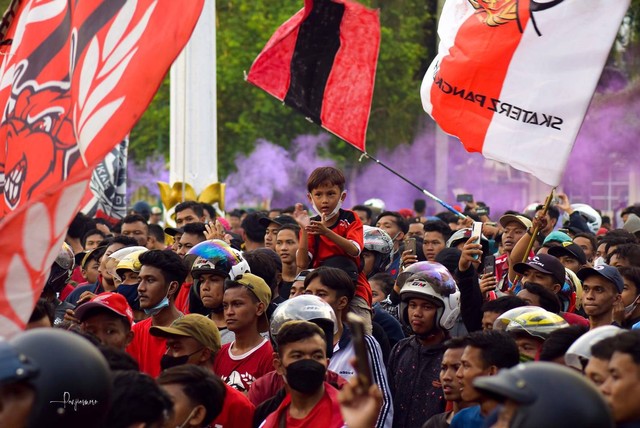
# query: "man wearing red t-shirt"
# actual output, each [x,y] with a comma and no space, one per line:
[160,275]
[250,355]
[195,339]
[302,361]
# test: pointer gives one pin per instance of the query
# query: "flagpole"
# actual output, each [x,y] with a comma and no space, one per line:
[424,191]
[534,234]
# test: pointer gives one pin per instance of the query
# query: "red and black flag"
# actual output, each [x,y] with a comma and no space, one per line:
[322,62]
[75,76]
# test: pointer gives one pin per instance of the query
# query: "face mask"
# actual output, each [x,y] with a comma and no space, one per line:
[157,308]
[167,361]
[305,376]
[599,262]
[332,213]
[632,307]
[184,424]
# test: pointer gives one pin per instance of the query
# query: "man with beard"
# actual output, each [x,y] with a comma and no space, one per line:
[429,306]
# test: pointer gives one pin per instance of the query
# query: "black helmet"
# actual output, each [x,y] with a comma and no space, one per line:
[14,367]
[61,269]
[73,384]
[549,395]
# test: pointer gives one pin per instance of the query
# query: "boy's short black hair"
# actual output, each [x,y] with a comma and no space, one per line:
[194,206]
[553,211]
[210,210]
[137,398]
[157,232]
[629,252]
[363,208]
[335,279]
[559,341]
[91,232]
[503,304]
[419,205]
[628,343]
[438,226]
[118,359]
[325,174]
[497,348]
[43,308]
[79,226]
[252,227]
[603,349]
[385,279]
[456,343]
[201,386]
[127,241]
[266,264]
[295,331]
[590,237]
[171,264]
[548,299]
[631,273]
[134,218]
[400,221]
[292,227]
[196,228]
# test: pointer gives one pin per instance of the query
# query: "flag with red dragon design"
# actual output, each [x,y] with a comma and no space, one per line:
[75,76]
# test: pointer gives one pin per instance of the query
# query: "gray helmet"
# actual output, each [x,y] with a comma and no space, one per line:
[306,307]
[69,368]
[549,395]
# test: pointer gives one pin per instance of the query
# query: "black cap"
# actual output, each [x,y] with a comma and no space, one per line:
[546,264]
[569,249]
[173,231]
[280,220]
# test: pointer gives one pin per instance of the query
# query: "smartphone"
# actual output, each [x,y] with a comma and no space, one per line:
[482,211]
[464,197]
[490,264]
[476,232]
[410,244]
[363,369]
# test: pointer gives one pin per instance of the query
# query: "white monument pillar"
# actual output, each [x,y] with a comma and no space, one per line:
[194,147]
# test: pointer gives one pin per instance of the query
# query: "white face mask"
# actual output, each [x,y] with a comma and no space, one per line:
[599,262]
[632,307]
[332,213]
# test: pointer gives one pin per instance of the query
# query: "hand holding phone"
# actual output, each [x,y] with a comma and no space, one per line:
[476,232]
[410,245]
[363,369]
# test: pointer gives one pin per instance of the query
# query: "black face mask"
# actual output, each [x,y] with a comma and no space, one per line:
[167,361]
[305,376]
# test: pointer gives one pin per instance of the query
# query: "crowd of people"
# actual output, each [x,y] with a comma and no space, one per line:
[240,320]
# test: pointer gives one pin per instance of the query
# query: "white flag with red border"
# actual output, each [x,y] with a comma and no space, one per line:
[513,78]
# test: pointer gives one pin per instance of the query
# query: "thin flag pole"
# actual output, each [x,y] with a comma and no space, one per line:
[534,234]
[424,191]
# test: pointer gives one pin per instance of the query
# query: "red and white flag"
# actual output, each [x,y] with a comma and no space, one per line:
[513,78]
[322,62]
[75,76]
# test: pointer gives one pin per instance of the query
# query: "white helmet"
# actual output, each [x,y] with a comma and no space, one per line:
[593,219]
[375,203]
[306,307]
[434,283]
[581,349]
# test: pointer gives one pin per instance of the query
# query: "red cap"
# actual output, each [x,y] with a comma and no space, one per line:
[115,302]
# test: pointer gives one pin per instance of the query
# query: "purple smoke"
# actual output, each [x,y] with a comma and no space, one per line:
[604,153]
[146,176]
